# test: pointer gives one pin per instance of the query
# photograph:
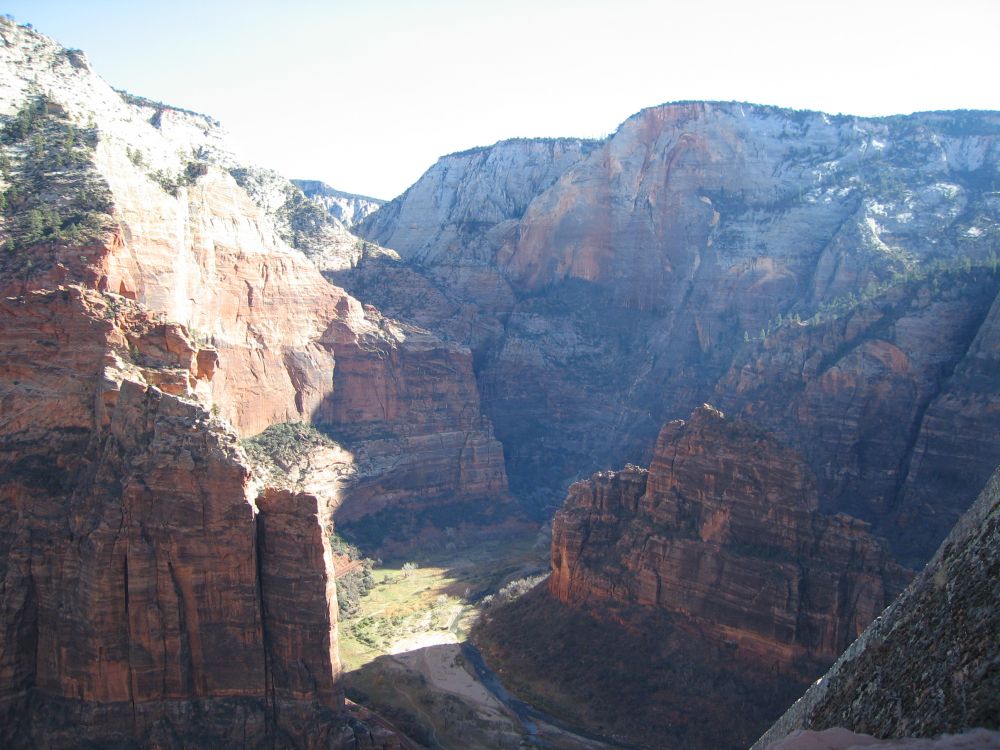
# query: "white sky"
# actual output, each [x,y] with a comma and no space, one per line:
[366,95]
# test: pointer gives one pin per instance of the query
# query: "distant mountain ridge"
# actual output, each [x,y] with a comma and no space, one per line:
[348,208]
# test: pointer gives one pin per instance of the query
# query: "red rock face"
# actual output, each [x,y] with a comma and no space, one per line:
[723,531]
[325,358]
[190,242]
[155,591]
[146,595]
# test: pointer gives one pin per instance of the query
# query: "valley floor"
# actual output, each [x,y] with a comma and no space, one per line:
[405,652]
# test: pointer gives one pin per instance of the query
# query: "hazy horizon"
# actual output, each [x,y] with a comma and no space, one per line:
[365,97]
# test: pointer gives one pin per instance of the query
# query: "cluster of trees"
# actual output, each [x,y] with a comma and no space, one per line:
[187,176]
[300,222]
[511,591]
[356,583]
[939,272]
[28,120]
[53,194]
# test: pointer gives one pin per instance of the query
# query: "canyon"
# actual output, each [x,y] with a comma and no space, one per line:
[448,363]
[831,281]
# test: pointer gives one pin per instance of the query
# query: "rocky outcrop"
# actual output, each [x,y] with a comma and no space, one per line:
[300,221]
[630,284]
[689,601]
[347,208]
[723,531]
[929,664]
[150,595]
[446,229]
[471,191]
[842,739]
[893,402]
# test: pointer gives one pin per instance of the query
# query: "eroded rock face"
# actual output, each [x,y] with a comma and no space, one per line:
[201,238]
[723,530]
[928,664]
[894,403]
[147,596]
[626,288]
[157,592]
[689,601]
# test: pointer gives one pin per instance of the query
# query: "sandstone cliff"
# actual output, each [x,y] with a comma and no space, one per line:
[724,531]
[894,402]
[928,664]
[188,230]
[623,289]
[446,228]
[688,601]
[150,595]
[160,300]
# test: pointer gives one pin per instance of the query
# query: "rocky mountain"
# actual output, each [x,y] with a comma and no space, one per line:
[716,560]
[191,234]
[928,665]
[724,530]
[347,208]
[608,287]
[162,300]
[893,400]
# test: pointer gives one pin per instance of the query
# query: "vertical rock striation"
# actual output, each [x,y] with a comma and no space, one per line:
[148,597]
[156,304]
[724,532]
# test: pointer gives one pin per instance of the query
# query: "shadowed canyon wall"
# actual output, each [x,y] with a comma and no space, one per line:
[688,602]
[704,252]
[146,593]
[928,665]
[724,530]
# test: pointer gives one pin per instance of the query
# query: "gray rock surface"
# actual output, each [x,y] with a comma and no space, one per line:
[347,208]
[930,664]
[841,739]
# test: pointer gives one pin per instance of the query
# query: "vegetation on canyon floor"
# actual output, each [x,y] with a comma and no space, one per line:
[401,650]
